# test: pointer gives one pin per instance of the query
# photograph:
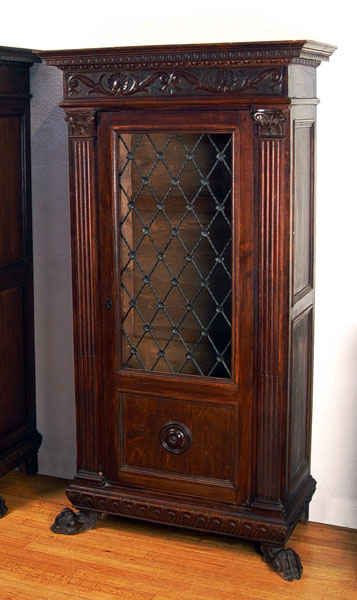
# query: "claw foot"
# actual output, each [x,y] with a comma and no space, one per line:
[305,516]
[3,507]
[284,561]
[69,523]
[31,465]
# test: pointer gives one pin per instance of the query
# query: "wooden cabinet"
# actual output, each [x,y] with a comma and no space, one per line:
[19,440]
[193,236]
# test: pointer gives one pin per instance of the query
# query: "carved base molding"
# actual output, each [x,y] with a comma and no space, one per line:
[299,511]
[26,452]
[184,516]
[284,561]
[3,507]
[179,514]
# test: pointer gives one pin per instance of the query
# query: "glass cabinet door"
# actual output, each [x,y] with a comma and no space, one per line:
[174,193]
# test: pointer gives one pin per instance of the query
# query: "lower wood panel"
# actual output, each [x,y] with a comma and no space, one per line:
[300,397]
[169,444]
[129,560]
[12,360]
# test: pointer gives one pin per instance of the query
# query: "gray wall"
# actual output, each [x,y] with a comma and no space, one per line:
[52,275]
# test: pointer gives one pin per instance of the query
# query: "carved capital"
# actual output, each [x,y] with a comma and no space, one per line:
[82,125]
[270,122]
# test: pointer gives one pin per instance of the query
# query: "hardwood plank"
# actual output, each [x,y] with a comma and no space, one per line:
[125,559]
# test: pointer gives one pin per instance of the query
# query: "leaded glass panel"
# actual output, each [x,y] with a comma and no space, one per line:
[175,248]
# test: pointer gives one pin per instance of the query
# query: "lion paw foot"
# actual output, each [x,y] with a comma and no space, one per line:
[70,523]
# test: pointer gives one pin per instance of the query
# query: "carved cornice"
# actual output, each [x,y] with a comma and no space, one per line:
[205,55]
[82,124]
[188,516]
[196,82]
[17,56]
[270,122]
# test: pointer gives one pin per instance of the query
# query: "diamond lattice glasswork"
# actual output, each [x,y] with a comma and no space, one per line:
[175,248]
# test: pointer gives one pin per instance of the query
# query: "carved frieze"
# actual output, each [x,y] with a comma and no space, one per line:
[190,82]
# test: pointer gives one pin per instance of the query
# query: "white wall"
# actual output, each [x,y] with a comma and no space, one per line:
[90,24]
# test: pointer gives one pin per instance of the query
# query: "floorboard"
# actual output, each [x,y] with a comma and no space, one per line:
[130,560]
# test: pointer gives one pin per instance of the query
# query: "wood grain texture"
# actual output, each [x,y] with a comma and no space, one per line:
[84,227]
[12,200]
[233,475]
[271,126]
[19,440]
[137,561]
[12,360]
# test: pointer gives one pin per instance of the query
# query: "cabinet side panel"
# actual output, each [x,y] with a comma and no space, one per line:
[300,403]
[303,210]
[302,294]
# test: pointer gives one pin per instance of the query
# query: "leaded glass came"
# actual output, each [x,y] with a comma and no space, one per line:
[175,247]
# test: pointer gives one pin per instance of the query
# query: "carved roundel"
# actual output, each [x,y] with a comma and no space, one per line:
[175,437]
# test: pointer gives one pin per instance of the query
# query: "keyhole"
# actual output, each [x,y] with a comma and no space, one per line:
[108,304]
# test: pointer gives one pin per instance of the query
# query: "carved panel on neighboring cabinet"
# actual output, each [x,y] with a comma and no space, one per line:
[11,190]
[12,360]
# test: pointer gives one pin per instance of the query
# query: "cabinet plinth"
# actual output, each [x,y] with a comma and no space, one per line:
[192,173]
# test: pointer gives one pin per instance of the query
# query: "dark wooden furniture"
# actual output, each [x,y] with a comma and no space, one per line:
[192,197]
[19,440]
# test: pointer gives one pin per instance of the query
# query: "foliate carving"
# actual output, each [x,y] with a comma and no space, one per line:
[81,124]
[70,523]
[284,561]
[175,437]
[270,122]
[3,507]
[189,516]
[176,82]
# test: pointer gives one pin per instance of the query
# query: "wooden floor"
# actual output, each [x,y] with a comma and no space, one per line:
[136,561]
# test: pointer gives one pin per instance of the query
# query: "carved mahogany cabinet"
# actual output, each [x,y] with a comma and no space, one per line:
[192,197]
[19,440]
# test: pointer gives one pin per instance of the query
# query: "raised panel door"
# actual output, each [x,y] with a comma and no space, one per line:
[169,233]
